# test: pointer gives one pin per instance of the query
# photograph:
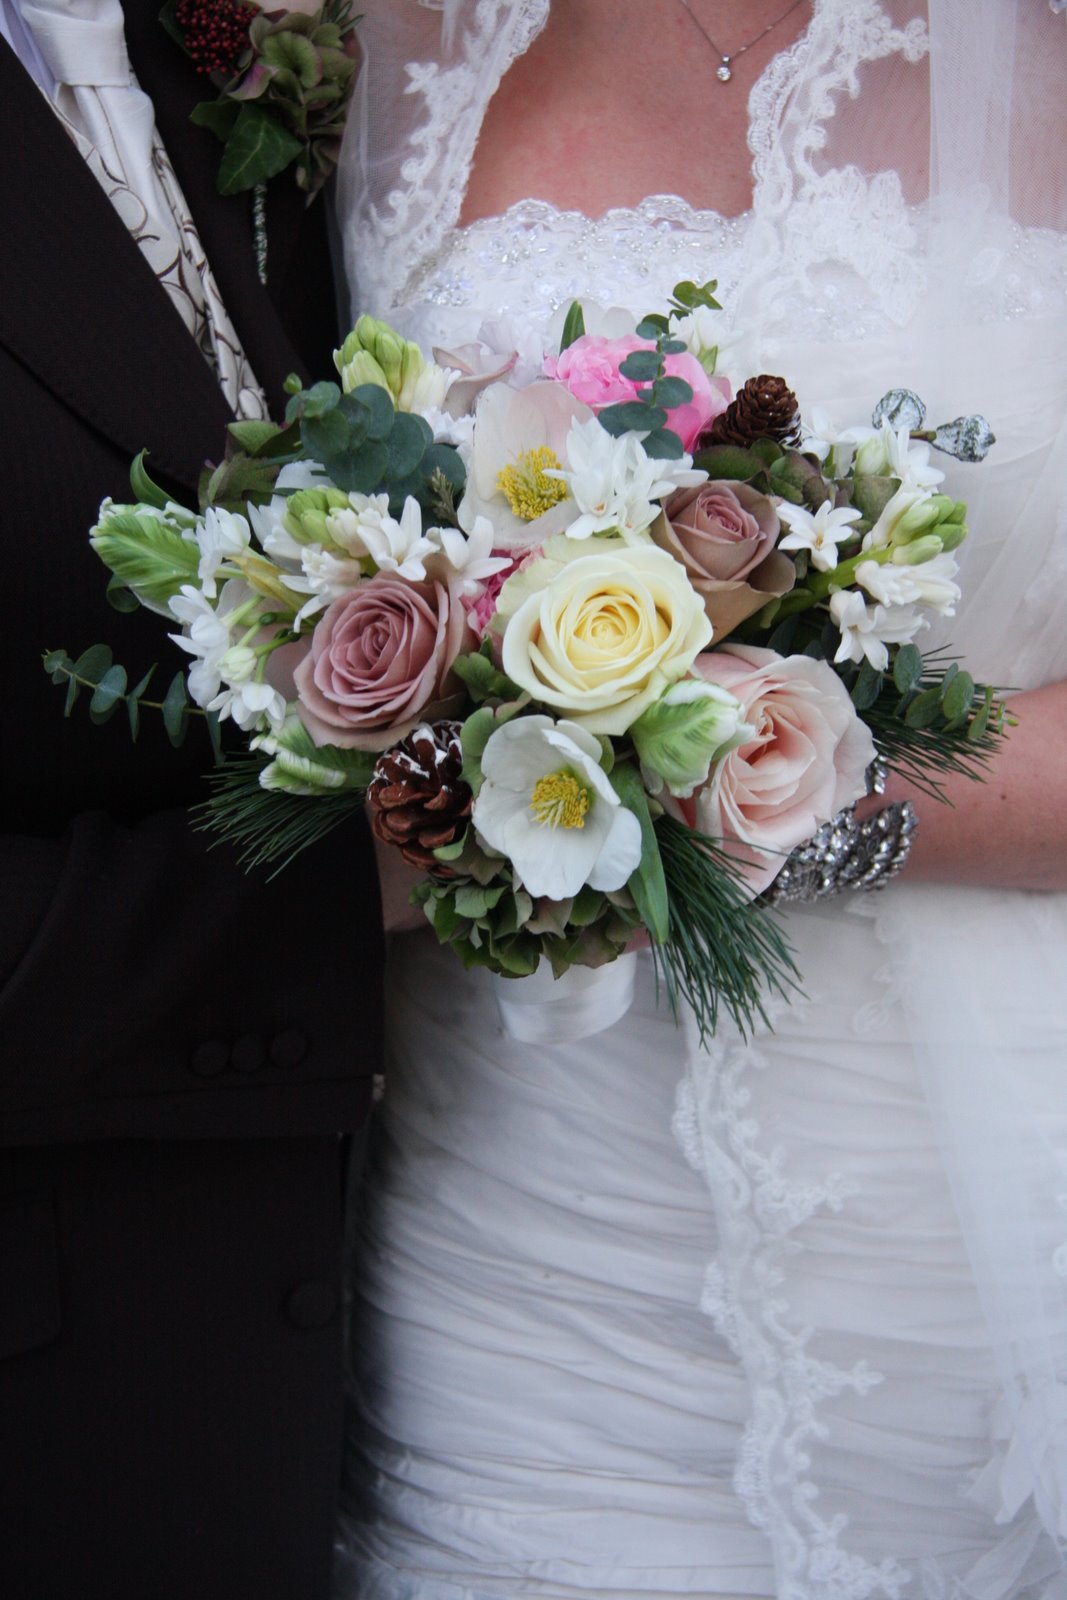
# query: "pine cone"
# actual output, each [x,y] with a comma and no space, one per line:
[765,408]
[418,798]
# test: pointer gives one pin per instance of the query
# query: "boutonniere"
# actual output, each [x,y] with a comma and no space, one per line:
[284,79]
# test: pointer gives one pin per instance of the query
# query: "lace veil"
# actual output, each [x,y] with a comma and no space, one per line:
[910,166]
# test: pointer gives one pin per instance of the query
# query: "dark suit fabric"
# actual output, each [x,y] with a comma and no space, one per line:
[181,1043]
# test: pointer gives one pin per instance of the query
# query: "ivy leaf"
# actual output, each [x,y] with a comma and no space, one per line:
[218,116]
[257,149]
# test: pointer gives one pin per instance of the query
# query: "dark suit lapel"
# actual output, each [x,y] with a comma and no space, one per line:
[224,222]
[69,274]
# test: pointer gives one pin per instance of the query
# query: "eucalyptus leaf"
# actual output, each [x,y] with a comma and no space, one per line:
[671,392]
[642,366]
[631,416]
[867,687]
[407,444]
[907,668]
[663,445]
[325,435]
[958,697]
[94,663]
[176,710]
[108,693]
[925,709]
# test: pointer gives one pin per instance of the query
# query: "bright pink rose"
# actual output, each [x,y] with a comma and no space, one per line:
[807,759]
[379,662]
[589,368]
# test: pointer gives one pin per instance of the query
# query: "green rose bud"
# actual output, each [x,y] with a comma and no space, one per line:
[681,734]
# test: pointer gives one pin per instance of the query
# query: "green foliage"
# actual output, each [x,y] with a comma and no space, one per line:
[483,680]
[647,884]
[268,826]
[723,948]
[143,487]
[573,326]
[929,718]
[146,555]
[257,147]
[97,670]
[688,296]
[368,447]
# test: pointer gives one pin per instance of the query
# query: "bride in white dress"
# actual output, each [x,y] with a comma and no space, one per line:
[632,1318]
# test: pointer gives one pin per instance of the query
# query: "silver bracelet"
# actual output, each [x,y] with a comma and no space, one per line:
[848,854]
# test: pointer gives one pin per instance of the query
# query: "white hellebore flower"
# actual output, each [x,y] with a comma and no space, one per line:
[546,804]
[221,536]
[867,631]
[820,532]
[519,434]
[470,555]
[615,485]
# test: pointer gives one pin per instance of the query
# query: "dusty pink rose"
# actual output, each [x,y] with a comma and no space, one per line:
[379,662]
[806,760]
[589,368]
[724,534]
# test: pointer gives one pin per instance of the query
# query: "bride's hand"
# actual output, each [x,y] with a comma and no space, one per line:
[1009,831]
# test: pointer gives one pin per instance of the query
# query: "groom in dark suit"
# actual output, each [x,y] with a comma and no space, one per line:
[180,1044]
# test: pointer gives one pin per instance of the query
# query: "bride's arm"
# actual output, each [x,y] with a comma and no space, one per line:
[1009,831]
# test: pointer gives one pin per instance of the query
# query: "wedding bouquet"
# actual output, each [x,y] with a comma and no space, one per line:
[599,648]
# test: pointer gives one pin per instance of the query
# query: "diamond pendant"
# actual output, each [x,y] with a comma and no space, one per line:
[723,73]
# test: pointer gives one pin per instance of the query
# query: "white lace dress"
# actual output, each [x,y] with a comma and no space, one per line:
[636,1319]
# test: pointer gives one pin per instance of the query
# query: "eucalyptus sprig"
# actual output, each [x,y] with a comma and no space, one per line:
[97,670]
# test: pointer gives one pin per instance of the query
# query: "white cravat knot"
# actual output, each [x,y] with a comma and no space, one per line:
[81,40]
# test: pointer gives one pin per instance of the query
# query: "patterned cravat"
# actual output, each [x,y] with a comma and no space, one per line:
[111,120]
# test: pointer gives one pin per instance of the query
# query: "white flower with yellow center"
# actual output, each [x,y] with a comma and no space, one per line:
[519,436]
[546,804]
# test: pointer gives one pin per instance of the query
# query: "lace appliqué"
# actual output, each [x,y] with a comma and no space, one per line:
[416,217]
[807,218]
[759,1207]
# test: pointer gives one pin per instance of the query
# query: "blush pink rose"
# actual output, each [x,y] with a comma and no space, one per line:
[379,662]
[724,534]
[806,760]
[589,368]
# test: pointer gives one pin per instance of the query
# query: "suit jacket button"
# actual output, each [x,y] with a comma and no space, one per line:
[209,1058]
[311,1305]
[288,1049]
[248,1053]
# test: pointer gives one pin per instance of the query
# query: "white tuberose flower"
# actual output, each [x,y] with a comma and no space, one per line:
[820,532]
[547,806]
[867,631]
[929,584]
[615,485]
[398,547]
[471,555]
[221,535]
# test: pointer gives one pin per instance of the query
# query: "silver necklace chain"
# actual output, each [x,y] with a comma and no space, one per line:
[724,71]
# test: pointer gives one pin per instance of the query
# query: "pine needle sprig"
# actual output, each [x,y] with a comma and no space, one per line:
[268,825]
[936,721]
[723,947]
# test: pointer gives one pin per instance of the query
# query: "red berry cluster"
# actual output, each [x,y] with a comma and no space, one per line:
[215,32]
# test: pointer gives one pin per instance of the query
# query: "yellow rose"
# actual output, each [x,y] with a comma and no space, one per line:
[605,635]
